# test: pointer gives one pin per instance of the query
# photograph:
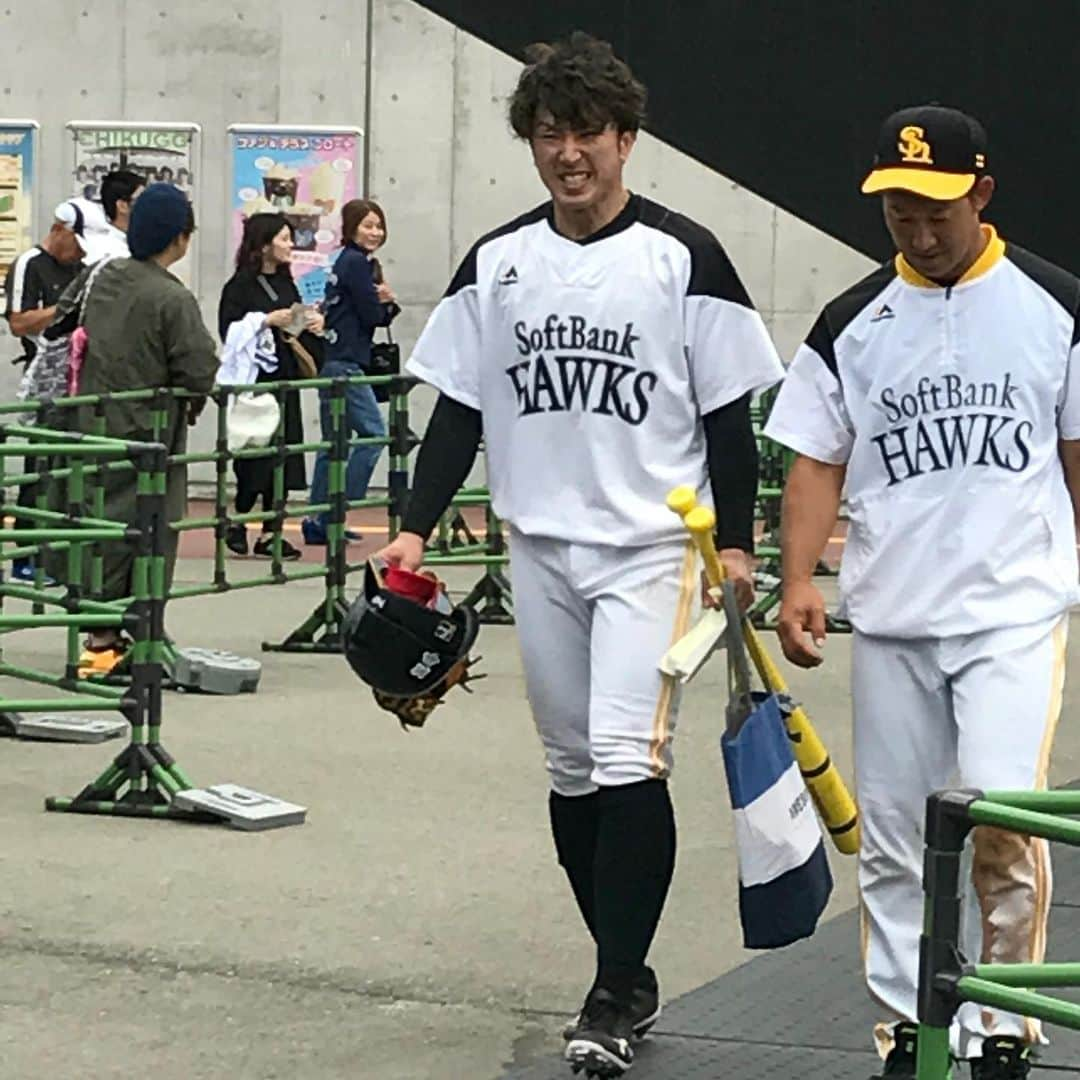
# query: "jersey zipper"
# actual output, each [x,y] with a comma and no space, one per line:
[947,359]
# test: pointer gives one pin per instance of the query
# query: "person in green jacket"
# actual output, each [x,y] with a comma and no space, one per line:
[144,329]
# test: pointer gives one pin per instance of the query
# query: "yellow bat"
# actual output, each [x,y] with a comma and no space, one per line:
[830,794]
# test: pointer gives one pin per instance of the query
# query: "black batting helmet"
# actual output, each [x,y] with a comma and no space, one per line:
[399,647]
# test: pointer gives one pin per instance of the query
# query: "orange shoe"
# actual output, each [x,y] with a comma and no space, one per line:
[97,661]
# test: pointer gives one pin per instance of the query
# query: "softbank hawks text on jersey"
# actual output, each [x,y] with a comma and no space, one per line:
[562,383]
[937,442]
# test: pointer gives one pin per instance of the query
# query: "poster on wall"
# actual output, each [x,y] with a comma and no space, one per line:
[161,152]
[305,173]
[18,166]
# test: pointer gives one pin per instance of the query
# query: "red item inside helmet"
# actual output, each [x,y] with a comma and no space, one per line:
[420,588]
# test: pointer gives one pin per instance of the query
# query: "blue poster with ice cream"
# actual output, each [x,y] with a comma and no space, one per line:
[307,174]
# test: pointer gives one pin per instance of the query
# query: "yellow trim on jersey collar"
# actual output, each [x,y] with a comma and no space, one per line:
[992,254]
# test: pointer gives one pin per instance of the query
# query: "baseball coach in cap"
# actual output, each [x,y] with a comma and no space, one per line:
[939,393]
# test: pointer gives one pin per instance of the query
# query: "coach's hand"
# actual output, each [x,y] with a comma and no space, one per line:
[802,614]
[405,550]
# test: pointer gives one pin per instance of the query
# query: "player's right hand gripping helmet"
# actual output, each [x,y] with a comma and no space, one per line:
[405,640]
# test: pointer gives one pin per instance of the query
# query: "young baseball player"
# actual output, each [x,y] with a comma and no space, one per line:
[939,393]
[608,351]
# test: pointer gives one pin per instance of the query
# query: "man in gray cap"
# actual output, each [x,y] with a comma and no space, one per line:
[144,329]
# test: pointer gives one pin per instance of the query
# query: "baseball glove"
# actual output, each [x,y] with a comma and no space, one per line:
[414,711]
[405,639]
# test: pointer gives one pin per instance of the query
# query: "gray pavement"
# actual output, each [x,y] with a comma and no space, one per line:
[416,926]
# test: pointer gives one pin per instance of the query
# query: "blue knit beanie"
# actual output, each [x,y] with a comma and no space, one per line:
[159,216]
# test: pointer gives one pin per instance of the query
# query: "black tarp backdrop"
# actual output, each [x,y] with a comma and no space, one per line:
[786,97]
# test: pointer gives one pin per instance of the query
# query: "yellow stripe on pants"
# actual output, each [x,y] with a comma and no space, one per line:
[661,729]
[1041,849]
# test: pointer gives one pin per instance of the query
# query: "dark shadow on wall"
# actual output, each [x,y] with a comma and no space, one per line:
[786,97]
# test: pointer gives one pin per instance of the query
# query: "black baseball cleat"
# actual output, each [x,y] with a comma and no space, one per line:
[901,1060]
[1003,1058]
[601,1044]
[644,1007]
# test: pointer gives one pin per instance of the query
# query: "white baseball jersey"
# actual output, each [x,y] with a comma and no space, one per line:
[946,405]
[592,365]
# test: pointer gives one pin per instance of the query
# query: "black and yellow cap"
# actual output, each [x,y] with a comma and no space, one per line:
[930,150]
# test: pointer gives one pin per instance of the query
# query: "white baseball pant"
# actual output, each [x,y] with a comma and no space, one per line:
[593,622]
[977,711]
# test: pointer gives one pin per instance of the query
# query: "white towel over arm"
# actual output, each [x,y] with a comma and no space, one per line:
[249,349]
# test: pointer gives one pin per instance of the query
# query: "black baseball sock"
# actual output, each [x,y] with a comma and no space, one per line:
[573,824]
[635,860]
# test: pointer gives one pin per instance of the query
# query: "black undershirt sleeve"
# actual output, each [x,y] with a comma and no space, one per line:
[443,462]
[732,454]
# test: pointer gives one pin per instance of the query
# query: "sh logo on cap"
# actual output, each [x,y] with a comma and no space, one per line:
[913,146]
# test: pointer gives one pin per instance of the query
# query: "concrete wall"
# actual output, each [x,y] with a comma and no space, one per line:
[440,155]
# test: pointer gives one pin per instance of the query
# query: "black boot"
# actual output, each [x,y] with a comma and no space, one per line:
[901,1060]
[1004,1057]
[236,539]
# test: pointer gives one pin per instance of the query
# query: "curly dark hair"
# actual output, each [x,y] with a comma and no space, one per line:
[582,83]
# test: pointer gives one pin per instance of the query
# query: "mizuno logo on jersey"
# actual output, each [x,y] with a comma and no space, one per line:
[510,277]
[583,384]
[883,312]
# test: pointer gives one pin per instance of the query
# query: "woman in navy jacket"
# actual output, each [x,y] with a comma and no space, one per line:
[357,302]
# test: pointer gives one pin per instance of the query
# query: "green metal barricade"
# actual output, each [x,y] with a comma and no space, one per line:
[946,979]
[143,778]
[320,631]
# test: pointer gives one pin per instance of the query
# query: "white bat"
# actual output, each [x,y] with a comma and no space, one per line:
[687,656]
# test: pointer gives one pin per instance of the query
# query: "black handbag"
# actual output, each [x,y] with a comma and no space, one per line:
[385,360]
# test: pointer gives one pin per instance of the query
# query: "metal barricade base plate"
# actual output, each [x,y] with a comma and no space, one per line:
[62,728]
[212,671]
[242,807]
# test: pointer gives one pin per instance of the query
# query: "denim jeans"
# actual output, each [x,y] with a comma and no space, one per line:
[362,418]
